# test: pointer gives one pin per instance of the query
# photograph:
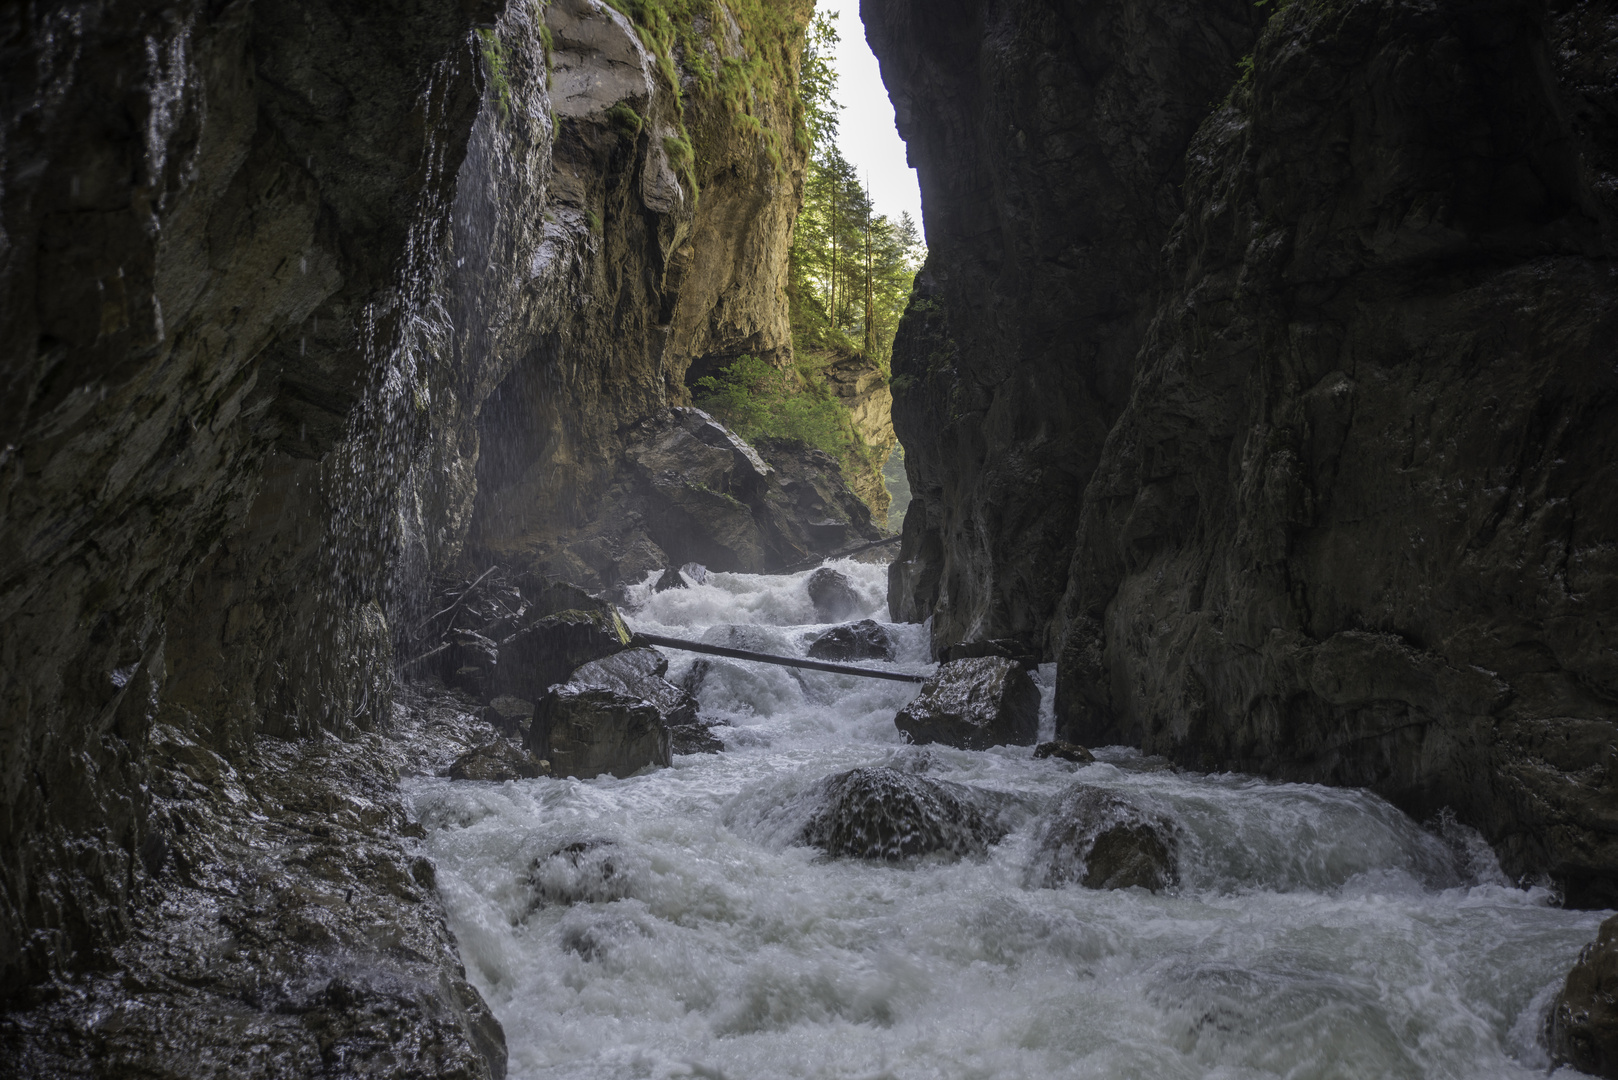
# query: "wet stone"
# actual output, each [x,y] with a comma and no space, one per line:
[833,595]
[697,738]
[669,579]
[974,704]
[1583,1028]
[509,715]
[882,813]
[864,640]
[497,762]
[585,871]
[586,731]
[1065,751]
[548,650]
[1102,841]
[639,673]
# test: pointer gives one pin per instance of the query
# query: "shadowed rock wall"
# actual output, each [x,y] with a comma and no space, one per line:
[1353,518]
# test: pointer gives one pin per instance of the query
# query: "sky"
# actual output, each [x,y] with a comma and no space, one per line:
[866,132]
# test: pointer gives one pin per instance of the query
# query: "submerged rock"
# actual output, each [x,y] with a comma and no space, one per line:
[586,871]
[585,731]
[1066,751]
[864,640]
[833,595]
[497,762]
[1102,841]
[974,704]
[1583,1028]
[881,813]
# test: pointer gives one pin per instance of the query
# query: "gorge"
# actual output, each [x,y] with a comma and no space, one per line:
[1259,393]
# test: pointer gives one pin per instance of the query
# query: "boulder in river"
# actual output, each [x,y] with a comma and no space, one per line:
[1103,841]
[639,673]
[584,731]
[974,704]
[864,640]
[1583,1029]
[548,650]
[833,595]
[669,579]
[1066,751]
[882,813]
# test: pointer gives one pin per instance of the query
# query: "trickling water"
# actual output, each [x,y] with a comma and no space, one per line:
[1315,932]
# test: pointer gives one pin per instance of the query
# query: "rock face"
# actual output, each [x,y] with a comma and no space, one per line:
[881,813]
[585,731]
[973,705]
[638,673]
[864,640]
[1102,841]
[1583,1028]
[1343,427]
[496,762]
[293,294]
[688,489]
[1049,143]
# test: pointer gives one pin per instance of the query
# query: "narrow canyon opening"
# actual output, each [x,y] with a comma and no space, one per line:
[527,549]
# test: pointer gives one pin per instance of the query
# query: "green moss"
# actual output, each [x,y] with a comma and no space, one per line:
[738,84]
[595,221]
[626,119]
[495,69]
[684,160]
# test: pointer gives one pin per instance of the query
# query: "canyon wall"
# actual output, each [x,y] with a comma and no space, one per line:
[1347,513]
[299,297]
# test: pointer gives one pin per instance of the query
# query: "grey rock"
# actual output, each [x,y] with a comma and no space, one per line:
[1323,493]
[669,579]
[509,715]
[497,762]
[639,673]
[1064,751]
[1103,841]
[882,813]
[549,650]
[973,705]
[864,640]
[1583,1026]
[832,594]
[695,738]
[586,731]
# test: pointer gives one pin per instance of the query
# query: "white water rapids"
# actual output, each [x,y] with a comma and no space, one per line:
[1316,932]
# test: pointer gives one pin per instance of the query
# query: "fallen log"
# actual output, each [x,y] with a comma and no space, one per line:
[765,658]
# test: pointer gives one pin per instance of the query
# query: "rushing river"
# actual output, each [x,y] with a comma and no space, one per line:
[1315,932]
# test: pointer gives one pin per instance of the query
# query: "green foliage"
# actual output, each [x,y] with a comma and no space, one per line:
[595,221]
[757,400]
[494,66]
[851,269]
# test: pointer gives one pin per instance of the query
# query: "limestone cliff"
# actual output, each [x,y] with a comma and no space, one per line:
[297,297]
[1330,443]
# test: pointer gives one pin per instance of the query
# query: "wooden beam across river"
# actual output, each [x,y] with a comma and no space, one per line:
[766,658]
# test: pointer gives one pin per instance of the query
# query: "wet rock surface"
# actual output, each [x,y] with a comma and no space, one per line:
[973,705]
[585,731]
[1583,1026]
[1064,751]
[832,594]
[291,927]
[639,673]
[497,762]
[1335,480]
[1103,841]
[882,813]
[864,640]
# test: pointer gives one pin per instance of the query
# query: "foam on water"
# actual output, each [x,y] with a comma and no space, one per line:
[671,925]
